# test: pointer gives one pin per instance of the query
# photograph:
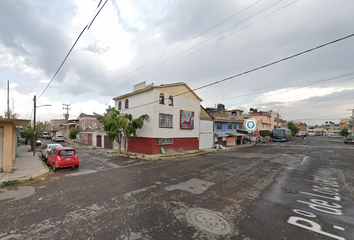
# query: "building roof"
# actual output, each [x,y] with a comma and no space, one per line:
[151,87]
[82,115]
[16,122]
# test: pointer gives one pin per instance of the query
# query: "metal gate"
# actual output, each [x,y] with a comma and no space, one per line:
[1,147]
[107,144]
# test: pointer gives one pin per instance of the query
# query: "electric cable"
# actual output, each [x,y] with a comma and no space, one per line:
[72,47]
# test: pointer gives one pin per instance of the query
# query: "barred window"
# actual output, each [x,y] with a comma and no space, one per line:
[219,125]
[230,125]
[165,120]
[164,141]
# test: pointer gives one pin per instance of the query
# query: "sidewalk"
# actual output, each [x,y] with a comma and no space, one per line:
[26,166]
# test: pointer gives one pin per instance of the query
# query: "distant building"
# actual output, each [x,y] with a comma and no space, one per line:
[315,130]
[331,128]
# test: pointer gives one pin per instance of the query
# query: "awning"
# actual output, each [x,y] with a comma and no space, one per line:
[236,134]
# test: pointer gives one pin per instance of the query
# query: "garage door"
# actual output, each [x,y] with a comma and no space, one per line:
[1,147]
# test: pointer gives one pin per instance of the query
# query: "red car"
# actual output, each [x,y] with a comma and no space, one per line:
[61,157]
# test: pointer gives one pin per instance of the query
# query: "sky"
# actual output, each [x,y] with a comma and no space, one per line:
[200,43]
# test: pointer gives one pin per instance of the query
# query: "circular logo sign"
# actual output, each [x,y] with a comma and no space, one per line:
[251,124]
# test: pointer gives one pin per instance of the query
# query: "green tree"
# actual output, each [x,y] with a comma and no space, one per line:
[121,127]
[264,133]
[343,132]
[28,132]
[294,129]
[73,132]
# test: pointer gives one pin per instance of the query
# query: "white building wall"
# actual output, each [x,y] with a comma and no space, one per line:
[206,139]
[151,129]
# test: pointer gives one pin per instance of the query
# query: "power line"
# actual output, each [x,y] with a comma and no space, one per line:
[147,72]
[72,47]
[258,68]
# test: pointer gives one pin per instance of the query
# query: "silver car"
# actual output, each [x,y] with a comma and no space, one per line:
[58,138]
[46,149]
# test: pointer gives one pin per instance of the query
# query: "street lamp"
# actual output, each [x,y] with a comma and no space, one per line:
[34,124]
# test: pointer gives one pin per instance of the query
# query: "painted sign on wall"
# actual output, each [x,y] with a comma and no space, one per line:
[187,120]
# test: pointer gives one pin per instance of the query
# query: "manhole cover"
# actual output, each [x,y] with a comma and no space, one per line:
[209,221]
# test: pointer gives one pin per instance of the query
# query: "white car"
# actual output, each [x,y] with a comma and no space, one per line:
[58,138]
[46,149]
[334,136]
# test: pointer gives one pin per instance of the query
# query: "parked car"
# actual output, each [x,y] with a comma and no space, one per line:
[58,138]
[333,136]
[349,139]
[62,157]
[38,142]
[46,136]
[46,149]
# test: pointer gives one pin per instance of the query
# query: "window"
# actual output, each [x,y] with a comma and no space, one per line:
[235,125]
[83,125]
[127,103]
[219,125]
[165,120]
[82,136]
[164,141]
[229,125]
[170,101]
[94,125]
[162,99]
[120,105]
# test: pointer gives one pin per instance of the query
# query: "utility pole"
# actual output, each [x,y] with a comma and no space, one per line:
[34,126]
[66,107]
[278,119]
[8,104]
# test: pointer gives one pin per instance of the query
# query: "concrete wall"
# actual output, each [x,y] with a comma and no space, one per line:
[8,149]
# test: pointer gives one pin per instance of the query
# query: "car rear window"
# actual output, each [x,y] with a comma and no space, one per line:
[66,153]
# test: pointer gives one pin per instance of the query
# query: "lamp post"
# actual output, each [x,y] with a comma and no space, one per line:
[34,124]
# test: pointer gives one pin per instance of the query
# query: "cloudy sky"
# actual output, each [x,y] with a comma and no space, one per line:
[198,42]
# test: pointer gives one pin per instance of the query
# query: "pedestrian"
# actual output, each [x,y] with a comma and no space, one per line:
[267,140]
[302,137]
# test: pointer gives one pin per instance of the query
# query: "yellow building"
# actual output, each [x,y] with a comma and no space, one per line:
[344,123]
[8,142]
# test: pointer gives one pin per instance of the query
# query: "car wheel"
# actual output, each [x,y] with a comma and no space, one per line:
[77,166]
[54,168]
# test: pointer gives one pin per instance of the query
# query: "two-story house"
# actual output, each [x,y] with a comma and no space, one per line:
[174,112]
[88,123]
[228,125]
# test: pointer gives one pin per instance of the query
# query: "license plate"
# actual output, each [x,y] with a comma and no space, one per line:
[68,159]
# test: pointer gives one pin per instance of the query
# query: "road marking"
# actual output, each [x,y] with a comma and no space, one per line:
[337,227]
[327,185]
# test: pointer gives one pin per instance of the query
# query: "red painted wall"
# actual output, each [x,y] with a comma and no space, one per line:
[150,145]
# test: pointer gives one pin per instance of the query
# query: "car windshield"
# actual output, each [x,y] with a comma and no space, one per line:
[53,146]
[66,153]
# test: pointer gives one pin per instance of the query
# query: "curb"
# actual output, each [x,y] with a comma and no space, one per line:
[23,180]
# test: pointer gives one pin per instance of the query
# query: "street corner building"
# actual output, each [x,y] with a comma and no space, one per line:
[9,142]
[174,117]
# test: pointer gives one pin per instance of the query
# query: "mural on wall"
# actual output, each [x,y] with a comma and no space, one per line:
[187,120]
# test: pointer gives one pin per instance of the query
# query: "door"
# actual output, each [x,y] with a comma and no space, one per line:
[99,141]
[89,139]
[1,147]
[107,144]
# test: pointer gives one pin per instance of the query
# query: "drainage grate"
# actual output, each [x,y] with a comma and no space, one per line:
[209,221]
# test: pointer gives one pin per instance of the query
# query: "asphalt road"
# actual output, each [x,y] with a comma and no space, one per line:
[302,189]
